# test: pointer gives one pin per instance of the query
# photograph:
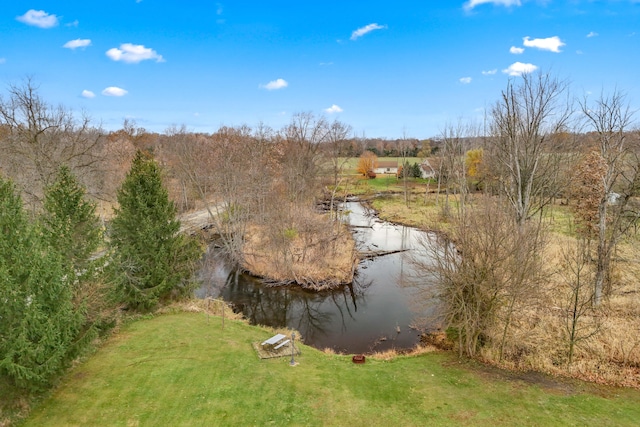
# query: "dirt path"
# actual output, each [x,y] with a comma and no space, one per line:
[198,219]
[556,385]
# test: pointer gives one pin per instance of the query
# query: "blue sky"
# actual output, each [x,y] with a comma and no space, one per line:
[386,68]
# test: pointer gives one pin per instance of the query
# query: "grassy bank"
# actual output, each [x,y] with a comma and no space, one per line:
[181,369]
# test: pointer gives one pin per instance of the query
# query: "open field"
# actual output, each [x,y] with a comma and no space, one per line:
[182,369]
[426,209]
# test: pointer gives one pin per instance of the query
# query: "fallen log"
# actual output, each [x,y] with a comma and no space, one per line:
[373,254]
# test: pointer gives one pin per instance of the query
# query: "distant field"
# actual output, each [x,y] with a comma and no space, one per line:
[183,370]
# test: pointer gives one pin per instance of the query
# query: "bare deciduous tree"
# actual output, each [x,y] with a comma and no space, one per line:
[336,149]
[299,155]
[453,172]
[611,119]
[579,324]
[490,274]
[523,121]
[39,138]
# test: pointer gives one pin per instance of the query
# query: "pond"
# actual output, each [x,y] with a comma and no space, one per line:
[379,311]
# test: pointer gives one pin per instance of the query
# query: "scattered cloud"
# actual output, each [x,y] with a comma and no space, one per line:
[38,18]
[519,68]
[133,53]
[552,44]
[114,91]
[73,24]
[89,94]
[592,34]
[333,109]
[366,29]
[579,52]
[74,44]
[219,10]
[275,84]
[490,72]
[473,3]
[465,80]
[516,50]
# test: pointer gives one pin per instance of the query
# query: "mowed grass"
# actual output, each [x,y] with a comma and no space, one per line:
[183,370]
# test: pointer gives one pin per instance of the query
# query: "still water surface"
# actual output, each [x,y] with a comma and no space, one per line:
[377,312]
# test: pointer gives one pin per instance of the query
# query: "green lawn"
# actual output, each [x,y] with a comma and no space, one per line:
[181,370]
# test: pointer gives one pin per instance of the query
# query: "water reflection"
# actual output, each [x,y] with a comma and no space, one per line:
[372,314]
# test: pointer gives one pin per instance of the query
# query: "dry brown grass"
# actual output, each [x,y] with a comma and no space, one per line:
[320,257]
[213,307]
[391,354]
[610,356]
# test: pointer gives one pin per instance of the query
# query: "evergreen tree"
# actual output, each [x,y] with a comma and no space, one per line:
[38,324]
[70,222]
[152,259]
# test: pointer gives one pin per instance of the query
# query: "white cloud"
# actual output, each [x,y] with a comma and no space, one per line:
[275,84]
[552,44]
[592,34]
[133,53]
[519,68]
[473,3]
[219,11]
[490,72]
[73,24]
[89,94]
[465,80]
[114,91]
[74,44]
[366,29]
[3,60]
[333,109]
[38,18]
[516,50]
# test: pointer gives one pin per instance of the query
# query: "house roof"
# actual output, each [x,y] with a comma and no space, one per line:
[387,164]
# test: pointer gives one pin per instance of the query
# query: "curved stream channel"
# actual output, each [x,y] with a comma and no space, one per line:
[379,311]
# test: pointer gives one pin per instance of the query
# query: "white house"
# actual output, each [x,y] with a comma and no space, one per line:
[387,168]
[427,170]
